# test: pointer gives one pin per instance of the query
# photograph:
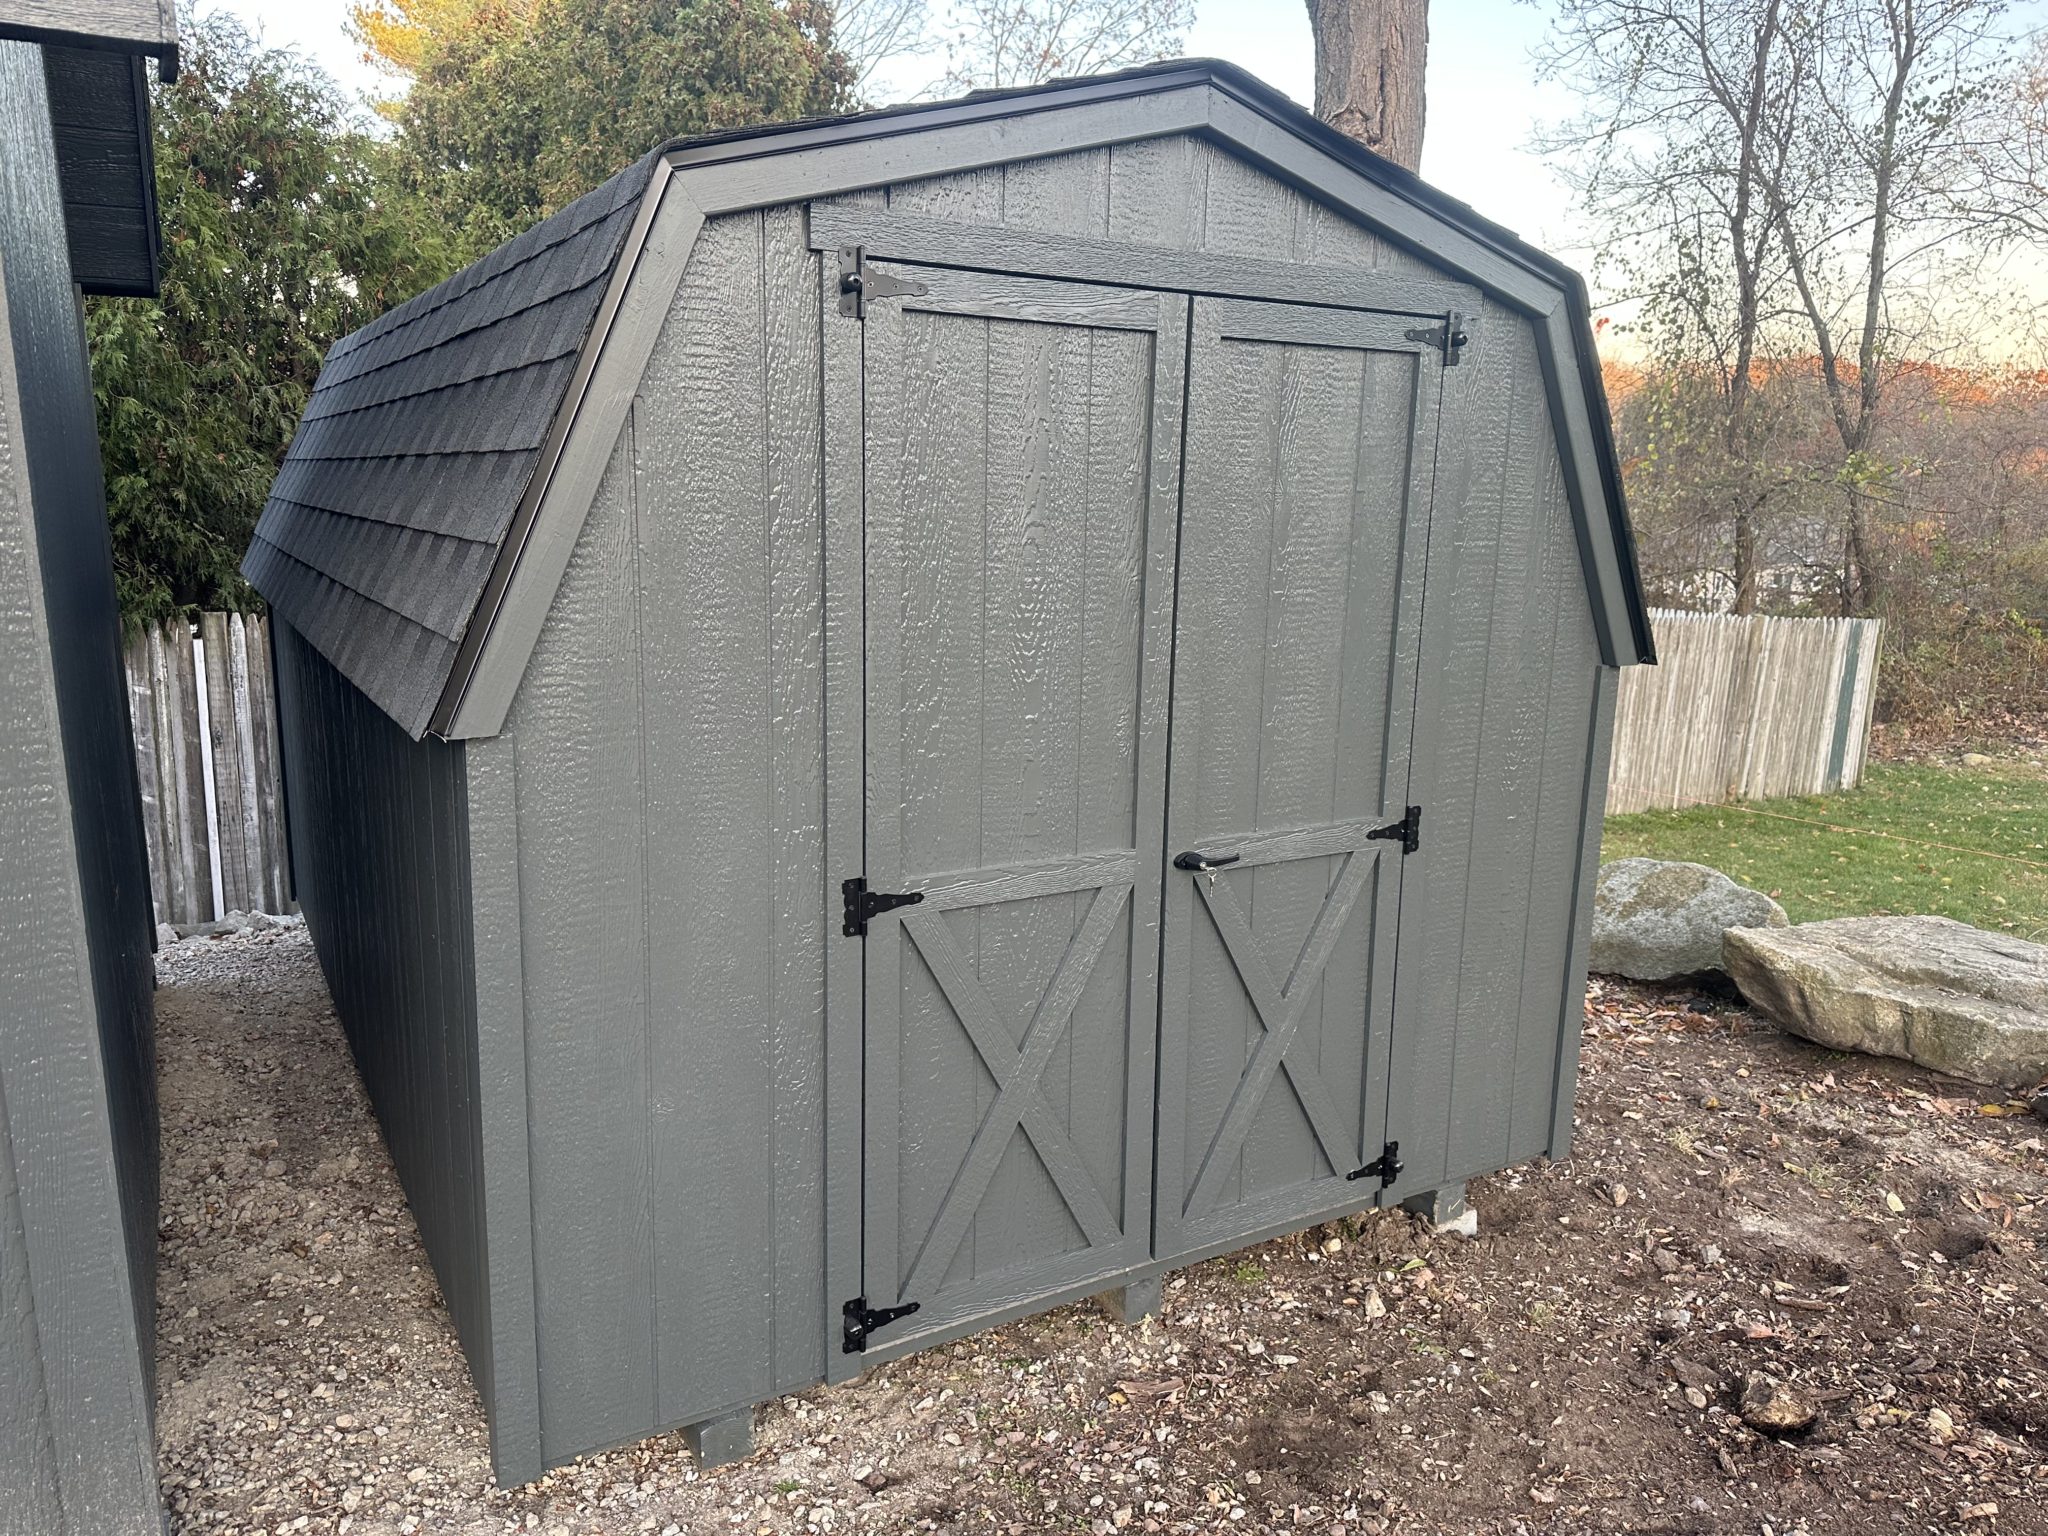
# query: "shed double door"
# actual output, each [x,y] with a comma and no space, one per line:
[1041,738]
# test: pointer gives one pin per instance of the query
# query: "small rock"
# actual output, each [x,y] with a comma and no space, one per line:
[1373,1305]
[1710,1254]
[1665,1260]
[1693,1374]
[1673,1321]
[1976,760]
[1696,1397]
[1775,1407]
[1940,1425]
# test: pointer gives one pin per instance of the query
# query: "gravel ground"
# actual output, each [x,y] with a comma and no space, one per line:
[1774,1291]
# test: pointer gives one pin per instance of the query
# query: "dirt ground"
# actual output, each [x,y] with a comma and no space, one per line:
[1868,1237]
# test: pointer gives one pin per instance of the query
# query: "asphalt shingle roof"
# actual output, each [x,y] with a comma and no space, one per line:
[423,431]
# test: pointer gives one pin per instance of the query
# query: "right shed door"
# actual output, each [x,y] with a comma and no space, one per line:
[1311,444]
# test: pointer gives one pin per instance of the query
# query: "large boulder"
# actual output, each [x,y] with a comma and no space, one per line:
[1927,989]
[1656,920]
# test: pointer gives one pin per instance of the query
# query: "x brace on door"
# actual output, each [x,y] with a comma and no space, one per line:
[1280,1009]
[1016,1069]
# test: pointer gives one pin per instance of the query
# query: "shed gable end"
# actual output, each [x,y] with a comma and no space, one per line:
[421,525]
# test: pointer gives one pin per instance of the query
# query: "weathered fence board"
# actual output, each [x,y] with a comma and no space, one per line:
[205,722]
[1743,707]
[1739,707]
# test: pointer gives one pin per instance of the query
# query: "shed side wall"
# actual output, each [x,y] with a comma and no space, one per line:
[671,884]
[77,1065]
[1490,983]
[380,851]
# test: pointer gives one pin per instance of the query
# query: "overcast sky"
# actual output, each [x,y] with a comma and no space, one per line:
[1483,99]
[1484,102]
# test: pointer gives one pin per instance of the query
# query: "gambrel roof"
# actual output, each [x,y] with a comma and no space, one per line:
[424,429]
[424,514]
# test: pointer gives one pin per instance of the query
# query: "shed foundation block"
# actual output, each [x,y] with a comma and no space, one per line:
[1130,1303]
[718,1441]
[1445,1209]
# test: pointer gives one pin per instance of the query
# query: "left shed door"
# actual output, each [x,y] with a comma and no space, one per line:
[1020,443]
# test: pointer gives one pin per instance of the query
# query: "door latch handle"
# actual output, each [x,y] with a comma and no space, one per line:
[1201,863]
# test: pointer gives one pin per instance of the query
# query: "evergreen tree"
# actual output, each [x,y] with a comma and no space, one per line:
[527,104]
[281,233]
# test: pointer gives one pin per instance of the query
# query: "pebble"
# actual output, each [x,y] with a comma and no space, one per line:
[1774,1406]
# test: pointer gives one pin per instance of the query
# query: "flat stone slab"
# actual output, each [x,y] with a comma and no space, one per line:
[1661,919]
[1931,990]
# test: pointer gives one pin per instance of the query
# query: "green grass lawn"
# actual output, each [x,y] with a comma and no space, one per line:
[1877,854]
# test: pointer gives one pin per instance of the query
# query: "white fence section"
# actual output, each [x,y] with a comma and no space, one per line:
[204,713]
[1743,707]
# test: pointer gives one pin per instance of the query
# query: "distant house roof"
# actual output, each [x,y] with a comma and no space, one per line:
[146,28]
[400,510]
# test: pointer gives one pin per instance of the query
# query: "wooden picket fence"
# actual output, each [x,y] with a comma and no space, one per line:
[1745,707]
[1737,708]
[204,712]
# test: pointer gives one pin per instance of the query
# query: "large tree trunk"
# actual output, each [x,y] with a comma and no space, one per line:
[1369,59]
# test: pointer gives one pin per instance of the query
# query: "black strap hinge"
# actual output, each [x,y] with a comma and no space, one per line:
[859,282]
[862,904]
[1450,336]
[1386,1167]
[1407,831]
[861,1320]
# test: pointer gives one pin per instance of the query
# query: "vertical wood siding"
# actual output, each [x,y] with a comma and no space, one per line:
[78,1160]
[1744,707]
[380,824]
[1179,192]
[211,796]
[669,825]
[1489,994]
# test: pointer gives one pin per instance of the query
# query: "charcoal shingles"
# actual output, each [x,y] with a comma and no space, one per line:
[423,431]
[356,633]
[463,495]
[421,575]
[546,330]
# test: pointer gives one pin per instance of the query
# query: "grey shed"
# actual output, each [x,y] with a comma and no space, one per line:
[854,707]
[78,1130]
